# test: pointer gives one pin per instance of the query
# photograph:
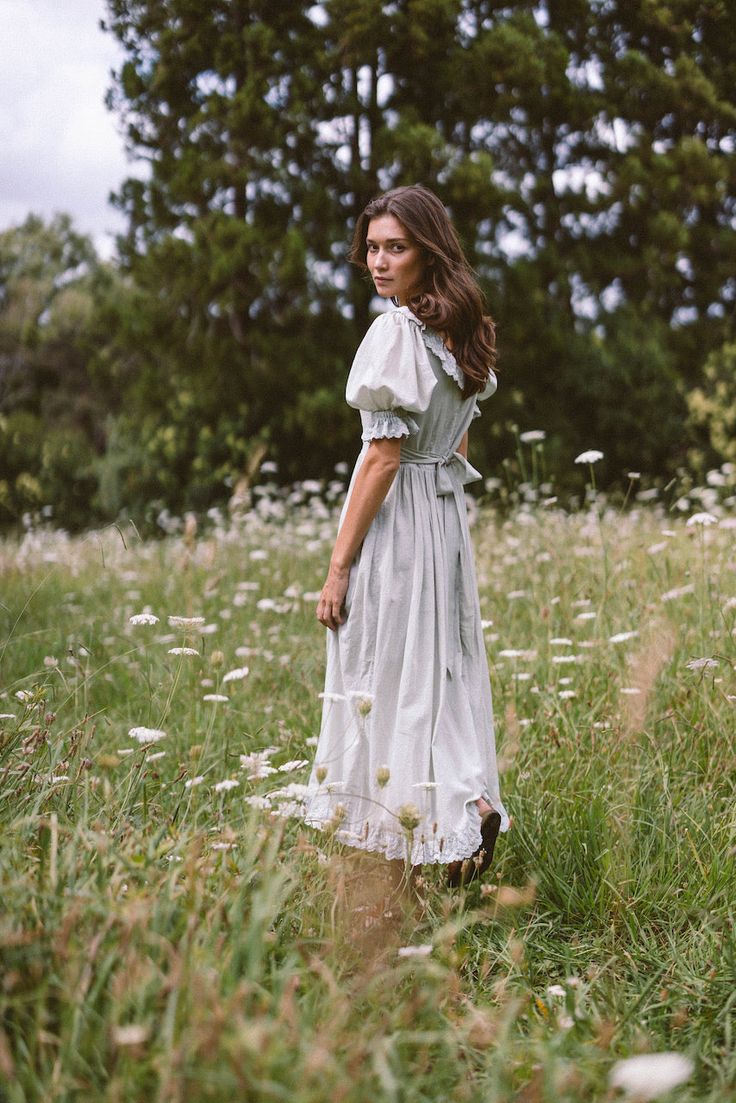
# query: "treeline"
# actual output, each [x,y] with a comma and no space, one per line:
[586,149]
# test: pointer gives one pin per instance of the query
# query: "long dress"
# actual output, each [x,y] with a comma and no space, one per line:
[407,743]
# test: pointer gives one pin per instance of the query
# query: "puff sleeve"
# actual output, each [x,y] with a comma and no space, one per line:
[488,390]
[391,377]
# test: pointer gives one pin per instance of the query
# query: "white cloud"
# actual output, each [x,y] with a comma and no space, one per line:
[62,148]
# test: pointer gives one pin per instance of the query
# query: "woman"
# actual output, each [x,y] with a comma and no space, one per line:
[406,753]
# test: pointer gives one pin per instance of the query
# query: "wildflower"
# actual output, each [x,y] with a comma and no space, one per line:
[143,618]
[224,786]
[513,653]
[24,695]
[320,773]
[269,467]
[238,673]
[217,658]
[59,777]
[559,659]
[589,615]
[186,622]
[702,664]
[701,519]
[215,697]
[622,637]
[223,846]
[155,756]
[567,693]
[257,802]
[50,662]
[409,816]
[679,591]
[591,456]
[414,951]
[194,781]
[183,651]
[633,475]
[631,691]
[146,735]
[513,595]
[383,775]
[561,641]
[531,436]
[650,1074]
[556,990]
[294,764]
[132,1034]
[363,701]
[7,716]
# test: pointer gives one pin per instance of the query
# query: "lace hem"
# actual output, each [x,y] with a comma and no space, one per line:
[425,850]
[390,423]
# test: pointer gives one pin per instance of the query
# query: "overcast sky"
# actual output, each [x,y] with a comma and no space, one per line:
[60,149]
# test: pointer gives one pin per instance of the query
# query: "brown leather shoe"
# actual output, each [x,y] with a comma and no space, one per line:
[462,873]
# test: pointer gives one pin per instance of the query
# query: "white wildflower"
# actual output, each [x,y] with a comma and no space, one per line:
[414,951]
[186,622]
[565,694]
[556,990]
[679,591]
[215,697]
[622,637]
[561,641]
[591,456]
[237,674]
[146,735]
[194,781]
[559,659]
[155,756]
[143,618]
[701,519]
[224,786]
[650,1074]
[531,436]
[257,802]
[631,691]
[132,1034]
[702,664]
[293,764]
[183,651]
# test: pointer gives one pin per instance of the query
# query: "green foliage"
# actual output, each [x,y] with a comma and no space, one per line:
[585,152]
[713,406]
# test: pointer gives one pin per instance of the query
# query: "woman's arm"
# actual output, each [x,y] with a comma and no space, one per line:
[372,483]
[462,447]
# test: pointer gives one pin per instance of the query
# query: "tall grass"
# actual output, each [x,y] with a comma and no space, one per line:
[165,939]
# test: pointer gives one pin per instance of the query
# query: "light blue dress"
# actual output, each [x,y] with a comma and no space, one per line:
[407,742]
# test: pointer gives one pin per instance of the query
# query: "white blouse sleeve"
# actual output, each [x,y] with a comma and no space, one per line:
[488,390]
[391,377]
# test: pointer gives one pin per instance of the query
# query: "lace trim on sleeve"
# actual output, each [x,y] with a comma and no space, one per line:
[390,423]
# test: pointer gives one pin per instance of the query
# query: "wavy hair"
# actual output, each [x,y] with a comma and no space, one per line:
[450,301]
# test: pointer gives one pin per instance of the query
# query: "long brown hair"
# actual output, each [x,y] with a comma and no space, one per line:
[451,301]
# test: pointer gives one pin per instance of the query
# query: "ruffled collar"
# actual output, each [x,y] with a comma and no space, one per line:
[435,344]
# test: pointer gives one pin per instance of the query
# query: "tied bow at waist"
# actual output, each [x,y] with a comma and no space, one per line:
[446,466]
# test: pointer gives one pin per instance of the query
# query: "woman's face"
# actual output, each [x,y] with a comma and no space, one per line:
[394,259]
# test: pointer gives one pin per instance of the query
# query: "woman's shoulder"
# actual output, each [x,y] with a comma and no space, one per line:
[393,322]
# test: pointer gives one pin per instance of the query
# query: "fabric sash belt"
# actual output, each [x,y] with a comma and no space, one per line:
[446,466]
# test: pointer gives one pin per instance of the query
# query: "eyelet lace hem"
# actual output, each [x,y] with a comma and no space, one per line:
[390,423]
[425,850]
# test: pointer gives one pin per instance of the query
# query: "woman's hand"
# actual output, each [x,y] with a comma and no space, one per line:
[329,606]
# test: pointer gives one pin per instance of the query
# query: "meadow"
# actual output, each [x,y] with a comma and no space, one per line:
[170,931]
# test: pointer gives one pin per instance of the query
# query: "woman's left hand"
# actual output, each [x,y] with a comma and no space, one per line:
[329,606]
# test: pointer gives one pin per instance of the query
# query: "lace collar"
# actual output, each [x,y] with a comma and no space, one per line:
[435,344]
